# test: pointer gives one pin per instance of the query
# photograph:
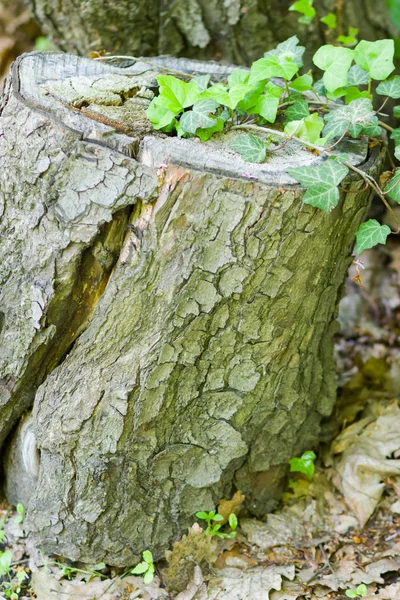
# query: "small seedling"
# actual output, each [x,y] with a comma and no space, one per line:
[145,568]
[92,571]
[21,514]
[213,527]
[304,464]
[360,591]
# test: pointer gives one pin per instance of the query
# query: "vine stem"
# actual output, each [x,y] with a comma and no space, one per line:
[367,178]
[386,126]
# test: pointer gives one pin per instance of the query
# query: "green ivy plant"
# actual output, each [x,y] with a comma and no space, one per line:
[308,14]
[214,525]
[304,464]
[273,103]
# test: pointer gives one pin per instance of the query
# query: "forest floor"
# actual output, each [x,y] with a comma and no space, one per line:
[337,534]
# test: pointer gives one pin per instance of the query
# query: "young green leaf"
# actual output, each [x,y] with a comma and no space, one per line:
[253,95]
[336,62]
[370,234]
[148,577]
[321,182]
[251,149]
[267,107]
[176,94]
[273,66]
[140,568]
[354,118]
[148,557]
[361,590]
[351,594]
[160,116]
[302,83]
[5,562]
[238,76]
[233,522]
[202,515]
[375,57]
[307,129]
[390,87]
[198,117]
[289,51]
[330,20]
[392,188]
[304,464]
[350,39]
[305,7]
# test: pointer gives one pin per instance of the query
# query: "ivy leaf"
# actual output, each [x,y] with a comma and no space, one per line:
[370,234]
[267,107]
[302,84]
[356,117]
[394,186]
[289,50]
[205,134]
[396,112]
[273,66]
[357,76]
[176,94]
[353,93]
[238,76]
[304,464]
[305,7]
[321,183]
[198,117]
[159,115]
[251,148]
[299,110]
[330,20]
[395,135]
[307,129]
[336,62]
[202,81]
[390,87]
[350,39]
[229,98]
[253,95]
[397,152]
[375,57]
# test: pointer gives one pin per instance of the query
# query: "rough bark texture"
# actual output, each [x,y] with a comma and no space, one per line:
[204,360]
[236,31]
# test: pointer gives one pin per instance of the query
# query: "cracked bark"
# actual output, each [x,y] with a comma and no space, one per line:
[205,362]
[236,31]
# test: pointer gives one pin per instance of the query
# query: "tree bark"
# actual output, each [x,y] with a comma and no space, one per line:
[194,348]
[235,31]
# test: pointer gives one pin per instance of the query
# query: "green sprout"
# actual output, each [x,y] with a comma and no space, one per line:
[145,568]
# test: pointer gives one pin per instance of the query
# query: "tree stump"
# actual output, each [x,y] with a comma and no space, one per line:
[168,307]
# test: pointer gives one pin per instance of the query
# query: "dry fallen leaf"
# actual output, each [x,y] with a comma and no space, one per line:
[254,584]
[364,463]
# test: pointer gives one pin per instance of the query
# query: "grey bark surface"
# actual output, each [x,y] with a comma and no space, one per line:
[201,360]
[236,31]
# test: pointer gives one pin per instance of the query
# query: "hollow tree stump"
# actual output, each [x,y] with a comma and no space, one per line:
[172,360]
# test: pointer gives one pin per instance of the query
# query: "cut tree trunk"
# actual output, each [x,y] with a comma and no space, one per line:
[179,357]
[237,31]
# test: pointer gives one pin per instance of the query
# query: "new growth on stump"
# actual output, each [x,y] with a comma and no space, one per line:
[168,306]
